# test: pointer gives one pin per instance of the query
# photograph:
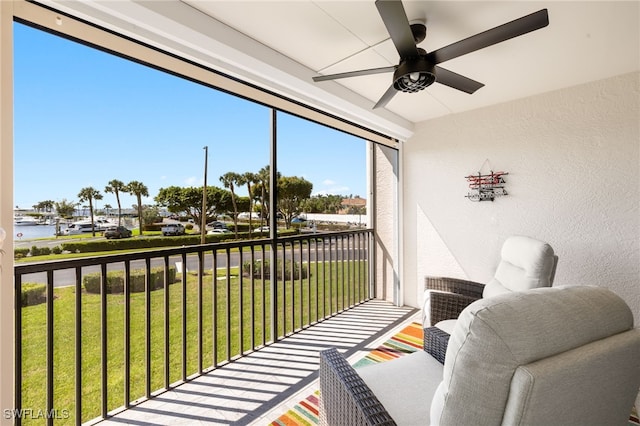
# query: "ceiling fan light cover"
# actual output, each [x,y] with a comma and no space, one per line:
[414,76]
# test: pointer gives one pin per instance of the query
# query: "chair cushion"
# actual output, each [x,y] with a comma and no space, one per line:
[601,378]
[447,325]
[525,263]
[496,335]
[405,386]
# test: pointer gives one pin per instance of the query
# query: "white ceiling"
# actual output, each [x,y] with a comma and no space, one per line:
[282,44]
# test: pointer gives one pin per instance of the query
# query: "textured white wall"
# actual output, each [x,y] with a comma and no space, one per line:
[386,222]
[573,158]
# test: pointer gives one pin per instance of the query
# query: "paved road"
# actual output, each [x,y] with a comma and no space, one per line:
[66,277]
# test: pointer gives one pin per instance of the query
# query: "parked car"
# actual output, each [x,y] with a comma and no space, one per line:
[217,225]
[117,232]
[218,231]
[173,229]
[264,229]
[298,220]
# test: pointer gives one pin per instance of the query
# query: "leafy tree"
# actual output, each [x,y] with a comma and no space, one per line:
[139,190]
[292,191]
[229,180]
[334,204]
[242,203]
[89,194]
[65,208]
[357,210]
[330,204]
[188,201]
[151,214]
[115,187]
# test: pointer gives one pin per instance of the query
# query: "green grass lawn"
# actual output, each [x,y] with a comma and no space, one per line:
[233,299]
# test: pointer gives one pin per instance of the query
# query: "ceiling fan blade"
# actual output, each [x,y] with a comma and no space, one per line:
[518,27]
[355,73]
[395,19]
[384,100]
[457,81]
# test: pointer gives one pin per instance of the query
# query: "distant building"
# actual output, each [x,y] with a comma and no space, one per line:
[352,205]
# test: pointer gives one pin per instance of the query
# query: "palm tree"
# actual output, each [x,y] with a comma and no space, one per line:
[230,179]
[263,179]
[139,190]
[48,205]
[115,186]
[89,194]
[249,179]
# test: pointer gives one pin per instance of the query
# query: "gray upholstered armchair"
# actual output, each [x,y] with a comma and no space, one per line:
[561,355]
[525,263]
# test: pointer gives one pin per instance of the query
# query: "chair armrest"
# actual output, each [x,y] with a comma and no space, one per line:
[436,342]
[454,285]
[445,306]
[345,399]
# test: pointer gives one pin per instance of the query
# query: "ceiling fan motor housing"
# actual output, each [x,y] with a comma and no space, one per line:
[414,74]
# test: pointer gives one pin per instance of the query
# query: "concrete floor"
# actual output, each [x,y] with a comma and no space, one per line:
[259,387]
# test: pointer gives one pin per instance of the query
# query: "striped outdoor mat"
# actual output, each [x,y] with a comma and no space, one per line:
[409,339]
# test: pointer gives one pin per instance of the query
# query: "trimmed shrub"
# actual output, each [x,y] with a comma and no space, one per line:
[150,242]
[32,294]
[261,268]
[56,250]
[115,280]
[40,251]
[19,253]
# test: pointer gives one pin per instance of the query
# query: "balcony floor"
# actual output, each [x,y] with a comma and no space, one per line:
[259,387]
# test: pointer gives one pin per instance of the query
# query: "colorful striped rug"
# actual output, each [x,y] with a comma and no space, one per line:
[305,413]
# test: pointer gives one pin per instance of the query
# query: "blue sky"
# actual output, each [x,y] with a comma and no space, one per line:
[83,117]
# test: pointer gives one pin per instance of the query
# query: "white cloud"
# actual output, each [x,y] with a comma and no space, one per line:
[332,188]
[193,181]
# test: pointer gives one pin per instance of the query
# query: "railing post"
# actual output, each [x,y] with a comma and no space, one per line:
[214,309]
[184,316]
[273,223]
[78,344]
[18,347]
[127,334]
[103,336]
[200,327]
[147,324]
[167,323]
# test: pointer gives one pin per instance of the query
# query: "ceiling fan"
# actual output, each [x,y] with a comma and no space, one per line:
[417,68]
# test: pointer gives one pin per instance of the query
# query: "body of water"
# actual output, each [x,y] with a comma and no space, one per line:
[33,231]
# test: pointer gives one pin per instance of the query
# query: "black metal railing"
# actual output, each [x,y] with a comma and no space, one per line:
[116,330]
